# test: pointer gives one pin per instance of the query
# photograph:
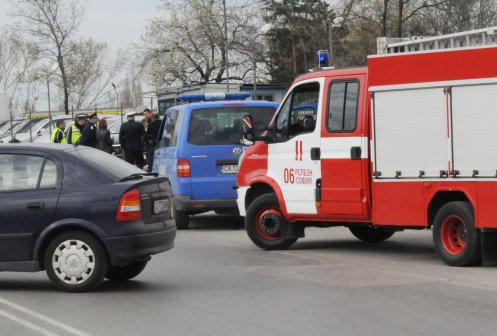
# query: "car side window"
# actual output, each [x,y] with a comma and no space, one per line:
[298,113]
[170,138]
[342,111]
[49,175]
[26,172]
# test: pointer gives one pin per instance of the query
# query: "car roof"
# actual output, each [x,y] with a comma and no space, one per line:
[41,147]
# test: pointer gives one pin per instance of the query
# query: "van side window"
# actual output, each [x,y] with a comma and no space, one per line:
[170,137]
[298,112]
[342,108]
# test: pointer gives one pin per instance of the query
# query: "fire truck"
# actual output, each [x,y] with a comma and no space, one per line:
[408,142]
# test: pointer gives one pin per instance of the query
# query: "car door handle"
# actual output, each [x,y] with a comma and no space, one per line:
[315,153]
[355,153]
[35,205]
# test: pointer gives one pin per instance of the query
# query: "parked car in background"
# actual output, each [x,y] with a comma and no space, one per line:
[6,128]
[40,131]
[80,214]
[198,150]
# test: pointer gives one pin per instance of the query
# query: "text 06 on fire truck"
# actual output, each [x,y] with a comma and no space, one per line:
[408,142]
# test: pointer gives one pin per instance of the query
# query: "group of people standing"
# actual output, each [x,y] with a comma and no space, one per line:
[134,137]
[84,131]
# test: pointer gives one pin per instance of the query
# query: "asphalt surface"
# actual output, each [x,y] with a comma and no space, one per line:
[216,282]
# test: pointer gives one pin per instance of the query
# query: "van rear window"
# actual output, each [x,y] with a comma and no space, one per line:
[222,125]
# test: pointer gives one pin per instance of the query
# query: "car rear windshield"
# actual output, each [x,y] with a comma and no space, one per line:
[222,125]
[111,166]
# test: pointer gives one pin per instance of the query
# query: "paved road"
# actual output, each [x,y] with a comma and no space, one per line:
[216,282]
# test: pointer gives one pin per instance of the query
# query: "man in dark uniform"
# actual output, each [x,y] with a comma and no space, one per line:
[130,137]
[74,131]
[152,133]
[89,134]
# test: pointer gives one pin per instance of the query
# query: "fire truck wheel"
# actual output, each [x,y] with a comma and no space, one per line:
[265,224]
[455,236]
[371,234]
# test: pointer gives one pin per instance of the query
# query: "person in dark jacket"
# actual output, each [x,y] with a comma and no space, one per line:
[89,134]
[152,133]
[104,141]
[130,138]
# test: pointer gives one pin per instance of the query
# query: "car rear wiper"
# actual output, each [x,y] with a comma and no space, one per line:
[137,176]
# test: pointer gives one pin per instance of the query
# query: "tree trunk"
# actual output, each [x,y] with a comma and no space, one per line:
[400,20]
[384,18]
[65,85]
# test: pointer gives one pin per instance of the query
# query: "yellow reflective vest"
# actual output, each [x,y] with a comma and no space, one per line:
[54,136]
[74,134]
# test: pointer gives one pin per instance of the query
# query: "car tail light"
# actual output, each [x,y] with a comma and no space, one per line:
[183,168]
[129,206]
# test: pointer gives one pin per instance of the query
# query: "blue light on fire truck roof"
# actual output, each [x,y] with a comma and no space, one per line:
[214,97]
[322,58]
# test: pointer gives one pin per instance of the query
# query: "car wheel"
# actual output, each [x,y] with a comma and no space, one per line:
[455,236]
[371,234]
[181,218]
[265,224]
[124,273]
[76,261]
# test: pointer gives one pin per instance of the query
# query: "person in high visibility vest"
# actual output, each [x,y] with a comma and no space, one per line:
[58,135]
[74,132]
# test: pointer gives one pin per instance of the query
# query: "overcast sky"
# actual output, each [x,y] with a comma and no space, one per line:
[115,22]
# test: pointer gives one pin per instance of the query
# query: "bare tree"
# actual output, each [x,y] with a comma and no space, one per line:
[52,24]
[17,59]
[188,43]
[89,74]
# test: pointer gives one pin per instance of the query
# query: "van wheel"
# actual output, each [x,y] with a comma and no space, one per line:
[124,273]
[455,236]
[265,224]
[76,261]
[181,218]
[371,234]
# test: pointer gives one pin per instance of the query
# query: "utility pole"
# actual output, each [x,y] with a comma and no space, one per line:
[226,47]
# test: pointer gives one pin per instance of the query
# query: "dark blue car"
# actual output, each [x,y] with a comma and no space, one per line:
[80,214]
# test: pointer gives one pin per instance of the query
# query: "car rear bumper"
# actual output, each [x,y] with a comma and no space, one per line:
[126,249]
[186,204]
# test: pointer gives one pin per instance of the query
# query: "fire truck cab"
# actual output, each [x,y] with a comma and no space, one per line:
[408,142]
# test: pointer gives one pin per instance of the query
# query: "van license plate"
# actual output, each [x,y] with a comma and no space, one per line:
[229,169]
[160,206]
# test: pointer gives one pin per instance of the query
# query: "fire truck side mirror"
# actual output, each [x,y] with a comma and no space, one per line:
[247,127]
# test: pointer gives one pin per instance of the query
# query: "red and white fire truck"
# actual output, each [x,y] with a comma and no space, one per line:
[408,142]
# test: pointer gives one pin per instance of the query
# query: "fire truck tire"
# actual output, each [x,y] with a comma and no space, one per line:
[265,224]
[371,234]
[457,240]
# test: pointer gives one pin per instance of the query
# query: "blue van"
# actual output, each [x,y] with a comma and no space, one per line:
[198,150]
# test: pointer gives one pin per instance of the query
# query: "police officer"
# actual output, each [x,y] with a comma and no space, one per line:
[130,138]
[74,131]
[58,135]
[89,134]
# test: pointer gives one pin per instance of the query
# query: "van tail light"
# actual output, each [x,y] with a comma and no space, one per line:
[129,206]
[183,168]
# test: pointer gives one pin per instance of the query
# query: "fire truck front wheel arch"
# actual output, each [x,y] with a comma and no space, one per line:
[457,240]
[265,224]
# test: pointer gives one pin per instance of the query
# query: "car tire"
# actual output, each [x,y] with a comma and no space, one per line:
[75,261]
[456,239]
[265,224]
[124,273]
[371,234]
[181,218]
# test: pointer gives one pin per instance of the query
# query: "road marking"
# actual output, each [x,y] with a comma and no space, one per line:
[41,317]
[27,324]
